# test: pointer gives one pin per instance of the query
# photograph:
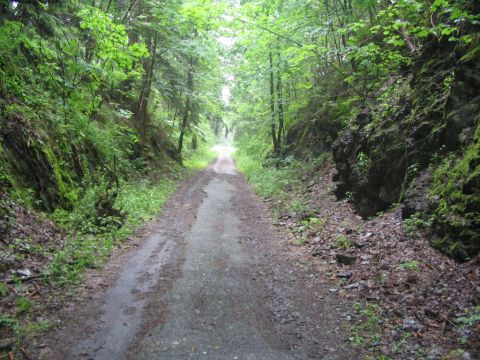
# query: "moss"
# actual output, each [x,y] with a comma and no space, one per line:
[62,177]
[8,180]
[457,217]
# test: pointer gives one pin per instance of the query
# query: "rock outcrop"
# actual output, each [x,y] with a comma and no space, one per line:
[421,148]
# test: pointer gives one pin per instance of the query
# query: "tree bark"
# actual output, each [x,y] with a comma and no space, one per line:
[281,126]
[143,99]
[272,105]
[187,107]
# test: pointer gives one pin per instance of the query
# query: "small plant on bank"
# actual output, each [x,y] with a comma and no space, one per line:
[381,278]
[363,161]
[467,323]
[410,265]
[24,305]
[314,224]
[349,195]
[4,290]
[343,242]
[367,331]
[299,241]
[299,206]
[416,222]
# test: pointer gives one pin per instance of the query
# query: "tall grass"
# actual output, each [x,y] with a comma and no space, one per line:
[269,177]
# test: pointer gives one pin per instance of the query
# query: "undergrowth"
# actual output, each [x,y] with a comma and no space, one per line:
[199,158]
[274,176]
[88,245]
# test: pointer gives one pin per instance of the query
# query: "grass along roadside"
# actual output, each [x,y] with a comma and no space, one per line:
[281,180]
[89,243]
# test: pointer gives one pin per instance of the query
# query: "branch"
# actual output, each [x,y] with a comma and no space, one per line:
[300,45]
[128,11]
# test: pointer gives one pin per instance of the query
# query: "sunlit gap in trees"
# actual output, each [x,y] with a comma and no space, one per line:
[223,149]
[228,42]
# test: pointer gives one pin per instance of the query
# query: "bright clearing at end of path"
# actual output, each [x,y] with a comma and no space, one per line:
[224,163]
[223,150]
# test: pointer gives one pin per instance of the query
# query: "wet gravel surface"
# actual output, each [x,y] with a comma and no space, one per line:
[210,279]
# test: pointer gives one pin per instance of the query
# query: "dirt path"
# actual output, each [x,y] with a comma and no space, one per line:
[210,280]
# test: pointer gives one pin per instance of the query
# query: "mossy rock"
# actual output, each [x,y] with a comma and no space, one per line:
[456,220]
[436,117]
[31,163]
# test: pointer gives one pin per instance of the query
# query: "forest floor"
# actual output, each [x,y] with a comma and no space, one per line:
[212,279]
[407,300]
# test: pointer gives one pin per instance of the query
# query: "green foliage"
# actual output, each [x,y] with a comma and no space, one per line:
[467,322]
[363,161]
[471,317]
[24,305]
[367,332]
[415,222]
[314,224]
[4,290]
[343,242]
[299,241]
[111,45]
[410,265]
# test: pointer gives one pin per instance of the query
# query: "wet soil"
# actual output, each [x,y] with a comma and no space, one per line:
[210,279]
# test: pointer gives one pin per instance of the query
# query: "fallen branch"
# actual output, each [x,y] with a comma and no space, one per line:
[24,279]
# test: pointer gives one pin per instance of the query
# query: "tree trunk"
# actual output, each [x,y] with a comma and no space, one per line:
[187,107]
[143,99]
[281,127]
[408,40]
[272,105]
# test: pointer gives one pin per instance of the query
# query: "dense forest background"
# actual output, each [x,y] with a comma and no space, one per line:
[94,92]
[94,89]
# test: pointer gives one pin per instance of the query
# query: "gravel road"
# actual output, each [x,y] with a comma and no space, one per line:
[210,280]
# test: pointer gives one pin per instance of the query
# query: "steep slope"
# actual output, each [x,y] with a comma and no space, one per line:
[420,148]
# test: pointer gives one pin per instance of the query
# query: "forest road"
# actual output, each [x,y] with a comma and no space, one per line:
[209,280]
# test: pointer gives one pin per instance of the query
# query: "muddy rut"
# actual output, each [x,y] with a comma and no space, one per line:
[209,280]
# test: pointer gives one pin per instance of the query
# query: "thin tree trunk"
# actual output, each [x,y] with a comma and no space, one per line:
[142,107]
[125,17]
[281,128]
[174,119]
[408,40]
[187,108]
[272,105]
[108,6]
